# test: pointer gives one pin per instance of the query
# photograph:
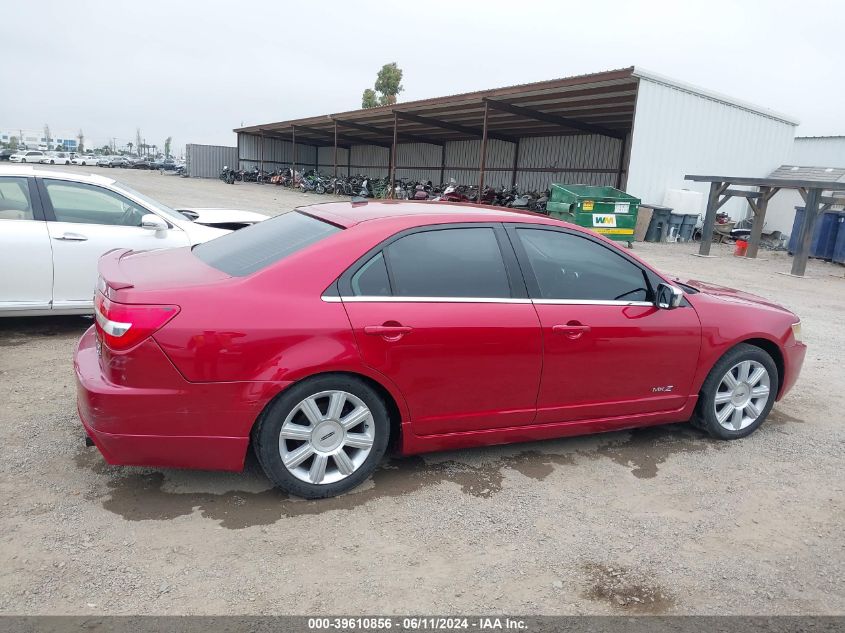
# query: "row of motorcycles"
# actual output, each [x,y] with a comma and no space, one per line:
[453,192]
[403,189]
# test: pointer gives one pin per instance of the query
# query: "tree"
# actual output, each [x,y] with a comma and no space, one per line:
[389,83]
[138,143]
[106,149]
[80,141]
[369,99]
[129,145]
[167,142]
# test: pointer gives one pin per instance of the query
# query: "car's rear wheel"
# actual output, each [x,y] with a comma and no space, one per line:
[322,437]
[738,393]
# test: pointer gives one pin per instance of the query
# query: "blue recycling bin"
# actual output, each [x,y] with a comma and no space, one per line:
[839,244]
[824,234]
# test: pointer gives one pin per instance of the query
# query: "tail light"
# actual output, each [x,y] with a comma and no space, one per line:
[124,325]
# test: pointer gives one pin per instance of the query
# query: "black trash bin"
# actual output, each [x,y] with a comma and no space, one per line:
[658,228]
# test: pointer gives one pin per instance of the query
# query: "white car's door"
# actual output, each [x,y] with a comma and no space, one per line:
[26,261]
[85,221]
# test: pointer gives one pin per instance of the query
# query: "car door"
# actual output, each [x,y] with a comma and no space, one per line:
[85,221]
[443,313]
[608,351]
[26,259]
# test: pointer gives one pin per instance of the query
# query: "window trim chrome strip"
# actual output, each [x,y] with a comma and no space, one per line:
[574,302]
[591,302]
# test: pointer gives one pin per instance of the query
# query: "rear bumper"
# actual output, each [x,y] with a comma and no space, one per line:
[167,451]
[175,424]
[793,360]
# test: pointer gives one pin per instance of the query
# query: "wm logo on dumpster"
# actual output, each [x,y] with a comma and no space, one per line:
[604,219]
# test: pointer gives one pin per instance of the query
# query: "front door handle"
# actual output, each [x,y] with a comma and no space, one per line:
[572,330]
[71,237]
[388,332]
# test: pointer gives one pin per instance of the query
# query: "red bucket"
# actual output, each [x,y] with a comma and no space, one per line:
[741,248]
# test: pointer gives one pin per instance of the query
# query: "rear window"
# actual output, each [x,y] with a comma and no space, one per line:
[255,247]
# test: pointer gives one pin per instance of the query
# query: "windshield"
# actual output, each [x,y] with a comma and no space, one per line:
[158,206]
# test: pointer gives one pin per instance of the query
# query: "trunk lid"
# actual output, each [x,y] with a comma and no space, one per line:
[124,273]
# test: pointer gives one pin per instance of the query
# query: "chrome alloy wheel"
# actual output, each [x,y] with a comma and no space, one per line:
[326,437]
[742,395]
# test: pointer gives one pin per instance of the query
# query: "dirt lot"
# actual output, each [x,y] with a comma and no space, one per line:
[656,521]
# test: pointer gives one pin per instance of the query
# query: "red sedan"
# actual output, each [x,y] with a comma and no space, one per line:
[322,336]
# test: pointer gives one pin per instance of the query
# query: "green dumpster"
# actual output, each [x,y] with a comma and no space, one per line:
[605,210]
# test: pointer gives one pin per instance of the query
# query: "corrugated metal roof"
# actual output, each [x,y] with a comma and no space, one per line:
[815,174]
[604,100]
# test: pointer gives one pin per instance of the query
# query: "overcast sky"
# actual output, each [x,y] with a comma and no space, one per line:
[196,69]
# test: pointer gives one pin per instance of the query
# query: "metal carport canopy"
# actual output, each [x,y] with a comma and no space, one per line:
[601,103]
[815,203]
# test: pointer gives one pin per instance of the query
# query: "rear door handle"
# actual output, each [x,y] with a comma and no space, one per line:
[573,331]
[71,237]
[390,333]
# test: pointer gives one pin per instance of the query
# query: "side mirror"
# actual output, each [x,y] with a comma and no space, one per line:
[152,222]
[668,297]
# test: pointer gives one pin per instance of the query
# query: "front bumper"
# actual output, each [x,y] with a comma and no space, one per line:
[172,424]
[793,360]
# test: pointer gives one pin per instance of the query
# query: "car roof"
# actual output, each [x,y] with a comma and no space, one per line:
[31,170]
[348,214]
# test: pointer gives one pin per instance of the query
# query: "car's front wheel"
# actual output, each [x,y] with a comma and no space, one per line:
[323,437]
[738,393]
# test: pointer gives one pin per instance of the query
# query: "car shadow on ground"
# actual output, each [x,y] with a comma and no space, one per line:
[240,500]
[16,331]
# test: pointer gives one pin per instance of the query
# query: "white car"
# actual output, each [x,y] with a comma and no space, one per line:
[56,158]
[54,226]
[85,159]
[31,156]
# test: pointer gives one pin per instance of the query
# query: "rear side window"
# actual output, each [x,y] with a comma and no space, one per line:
[14,199]
[460,262]
[372,280]
[255,247]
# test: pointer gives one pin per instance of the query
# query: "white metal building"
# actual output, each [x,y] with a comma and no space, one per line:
[627,128]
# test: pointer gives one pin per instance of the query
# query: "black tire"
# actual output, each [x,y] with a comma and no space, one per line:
[705,413]
[266,435]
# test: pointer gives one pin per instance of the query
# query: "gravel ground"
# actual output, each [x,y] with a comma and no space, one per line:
[661,520]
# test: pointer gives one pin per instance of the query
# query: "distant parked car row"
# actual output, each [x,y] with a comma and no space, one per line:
[71,158]
[166,164]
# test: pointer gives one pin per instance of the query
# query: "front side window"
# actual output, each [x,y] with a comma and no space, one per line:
[456,262]
[575,268]
[88,204]
[14,199]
